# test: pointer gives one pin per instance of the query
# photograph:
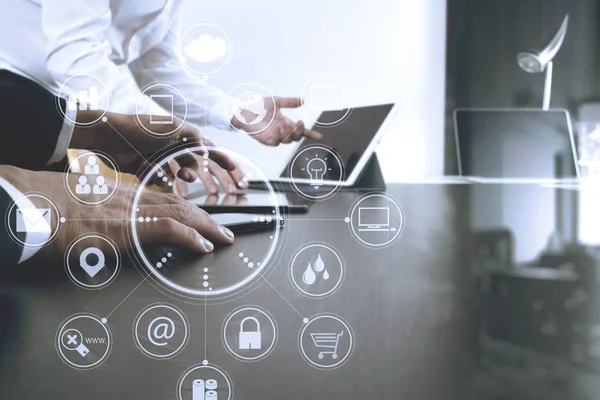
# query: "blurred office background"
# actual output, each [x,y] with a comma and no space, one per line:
[535,247]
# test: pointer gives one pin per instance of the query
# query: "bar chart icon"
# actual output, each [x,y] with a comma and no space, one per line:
[86,100]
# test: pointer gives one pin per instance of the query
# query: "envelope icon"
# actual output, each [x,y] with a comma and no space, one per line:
[34,220]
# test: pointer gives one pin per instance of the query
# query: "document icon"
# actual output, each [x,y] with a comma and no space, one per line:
[34,220]
[165,101]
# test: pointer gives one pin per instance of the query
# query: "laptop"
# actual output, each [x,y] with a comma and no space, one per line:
[515,145]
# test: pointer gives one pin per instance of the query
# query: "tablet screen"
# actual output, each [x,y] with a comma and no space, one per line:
[349,138]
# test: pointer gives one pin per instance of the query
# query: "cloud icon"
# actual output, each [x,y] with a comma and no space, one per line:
[205,49]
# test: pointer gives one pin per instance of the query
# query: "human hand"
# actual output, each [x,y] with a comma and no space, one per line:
[179,223]
[132,148]
[275,128]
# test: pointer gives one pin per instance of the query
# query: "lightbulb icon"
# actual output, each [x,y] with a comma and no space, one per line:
[316,169]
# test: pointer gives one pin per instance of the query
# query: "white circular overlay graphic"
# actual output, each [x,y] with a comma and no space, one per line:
[227,271]
[326,341]
[33,220]
[249,333]
[253,106]
[376,220]
[317,270]
[316,172]
[169,112]
[92,261]
[204,382]
[97,178]
[161,331]
[327,92]
[205,48]
[83,341]
[84,92]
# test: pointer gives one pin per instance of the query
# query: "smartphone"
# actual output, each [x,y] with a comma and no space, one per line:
[248,223]
[250,201]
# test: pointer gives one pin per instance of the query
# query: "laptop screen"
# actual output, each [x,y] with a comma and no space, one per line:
[349,138]
[522,144]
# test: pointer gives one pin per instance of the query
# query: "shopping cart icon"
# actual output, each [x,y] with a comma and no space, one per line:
[327,341]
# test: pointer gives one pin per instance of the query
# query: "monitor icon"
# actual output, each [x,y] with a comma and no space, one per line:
[374,219]
[165,101]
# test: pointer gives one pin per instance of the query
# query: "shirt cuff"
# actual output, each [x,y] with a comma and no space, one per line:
[222,112]
[64,137]
[24,203]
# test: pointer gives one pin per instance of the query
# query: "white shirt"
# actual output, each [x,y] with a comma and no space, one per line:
[50,40]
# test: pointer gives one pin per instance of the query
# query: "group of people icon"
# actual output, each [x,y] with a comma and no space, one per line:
[92,168]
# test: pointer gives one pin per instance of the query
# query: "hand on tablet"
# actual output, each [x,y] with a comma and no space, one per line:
[282,129]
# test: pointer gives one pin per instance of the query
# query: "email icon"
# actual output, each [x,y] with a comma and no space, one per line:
[34,220]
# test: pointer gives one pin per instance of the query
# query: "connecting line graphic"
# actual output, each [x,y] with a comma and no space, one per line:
[127,141]
[304,319]
[125,299]
[205,330]
[316,219]
[97,219]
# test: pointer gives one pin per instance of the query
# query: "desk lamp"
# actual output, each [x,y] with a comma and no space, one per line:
[536,62]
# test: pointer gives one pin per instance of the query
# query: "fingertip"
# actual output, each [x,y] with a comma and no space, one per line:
[212,189]
[228,234]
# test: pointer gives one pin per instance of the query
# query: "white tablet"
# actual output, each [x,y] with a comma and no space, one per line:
[354,139]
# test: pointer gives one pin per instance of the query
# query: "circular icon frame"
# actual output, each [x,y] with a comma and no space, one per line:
[296,182]
[205,365]
[353,229]
[61,331]
[340,360]
[307,92]
[115,273]
[185,58]
[337,285]
[110,163]
[228,291]
[264,93]
[61,95]
[147,352]
[53,232]
[173,91]
[269,317]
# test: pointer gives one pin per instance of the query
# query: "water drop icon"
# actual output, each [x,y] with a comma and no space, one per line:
[319,264]
[325,275]
[309,277]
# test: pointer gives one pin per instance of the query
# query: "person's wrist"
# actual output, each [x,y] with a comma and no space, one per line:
[88,136]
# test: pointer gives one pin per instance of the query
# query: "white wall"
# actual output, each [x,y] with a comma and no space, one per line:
[387,50]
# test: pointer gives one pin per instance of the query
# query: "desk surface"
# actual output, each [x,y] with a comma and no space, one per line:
[412,306]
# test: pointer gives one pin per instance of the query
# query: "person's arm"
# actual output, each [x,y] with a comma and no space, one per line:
[76,43]
[35,131]
[209,104]
[206,103]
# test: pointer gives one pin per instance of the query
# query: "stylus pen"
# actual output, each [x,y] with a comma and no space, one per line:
[254,226]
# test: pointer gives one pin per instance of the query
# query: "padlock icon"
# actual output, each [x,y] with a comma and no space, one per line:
[250,340]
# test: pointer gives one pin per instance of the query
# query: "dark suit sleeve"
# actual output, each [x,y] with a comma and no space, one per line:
[10,251]
[30,122]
